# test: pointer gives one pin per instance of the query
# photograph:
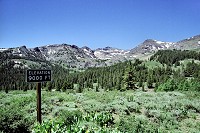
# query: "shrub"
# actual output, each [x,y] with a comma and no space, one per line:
[71,117]
[77,122]
[169,85]
[14,121]
[182,85]
[137,124]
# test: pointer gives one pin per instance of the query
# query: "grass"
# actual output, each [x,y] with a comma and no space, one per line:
[186,61]
[153,64]
[131,111]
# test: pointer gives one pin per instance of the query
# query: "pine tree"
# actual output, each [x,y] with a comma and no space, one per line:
[149,82]
[143,87]
[156,86]
[49,86]
[64,86]
[128,78]
[57,85]
[140,83]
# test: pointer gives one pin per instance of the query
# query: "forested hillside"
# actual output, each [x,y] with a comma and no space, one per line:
[122,76]
[156,95]
[171,57]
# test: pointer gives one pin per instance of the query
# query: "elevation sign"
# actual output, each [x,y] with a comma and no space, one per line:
[38,75]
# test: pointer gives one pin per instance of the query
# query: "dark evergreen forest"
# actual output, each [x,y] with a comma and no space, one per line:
[122,76]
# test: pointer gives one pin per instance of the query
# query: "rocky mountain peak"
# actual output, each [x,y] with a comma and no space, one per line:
[197,37]
[36,49]
[86,48]
[147,41]
[73,56]
[188,44]
[74,46]
[150,45]
[108,48]
[23,50]
[23,47]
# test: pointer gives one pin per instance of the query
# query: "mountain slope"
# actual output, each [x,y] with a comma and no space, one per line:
[71,56]
[150,45]
[187,44]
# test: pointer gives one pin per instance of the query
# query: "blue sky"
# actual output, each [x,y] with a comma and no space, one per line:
[96,23]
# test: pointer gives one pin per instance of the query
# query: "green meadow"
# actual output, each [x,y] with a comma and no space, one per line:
[103,111]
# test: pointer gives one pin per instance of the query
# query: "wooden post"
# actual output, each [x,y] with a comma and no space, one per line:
[39,114]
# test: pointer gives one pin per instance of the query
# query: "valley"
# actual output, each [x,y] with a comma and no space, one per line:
[153,87]
[99,66]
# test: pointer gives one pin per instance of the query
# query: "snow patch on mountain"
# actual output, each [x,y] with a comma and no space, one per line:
[51,51]
[3,49]
[73,56]
[159,42]
[110,53]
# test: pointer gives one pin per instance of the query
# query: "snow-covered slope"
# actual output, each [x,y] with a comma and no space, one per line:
[110,53]
[150,45]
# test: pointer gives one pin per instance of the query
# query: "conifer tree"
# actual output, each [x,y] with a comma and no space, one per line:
[49,86]
[149,82]
[128,78]
[143,87]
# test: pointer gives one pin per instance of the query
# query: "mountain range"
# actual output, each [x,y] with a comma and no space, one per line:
[72,56]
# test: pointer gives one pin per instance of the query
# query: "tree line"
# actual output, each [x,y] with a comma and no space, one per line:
[171,57]
[122,76]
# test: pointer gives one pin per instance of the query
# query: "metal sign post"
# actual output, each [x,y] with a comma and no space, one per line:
[38,76]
